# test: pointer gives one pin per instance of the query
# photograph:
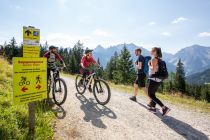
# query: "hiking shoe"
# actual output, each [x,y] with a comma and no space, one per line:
[150,105]
[133,98]
[165,111]
[152,110]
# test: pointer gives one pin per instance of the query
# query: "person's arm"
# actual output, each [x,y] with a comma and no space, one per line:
[153,64]
[82,62]
[46,54]
[94,62]
[139,65]
[59,58]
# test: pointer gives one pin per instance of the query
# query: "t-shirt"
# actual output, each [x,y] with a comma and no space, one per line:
[142,60]
[52,58]
[87,61]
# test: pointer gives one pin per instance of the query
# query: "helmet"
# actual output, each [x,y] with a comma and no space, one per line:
[88,51]
[52,47]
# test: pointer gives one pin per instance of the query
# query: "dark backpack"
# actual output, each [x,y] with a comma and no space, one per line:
[162,72]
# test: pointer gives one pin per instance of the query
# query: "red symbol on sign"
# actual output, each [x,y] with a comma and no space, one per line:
[24,89]
[38,86]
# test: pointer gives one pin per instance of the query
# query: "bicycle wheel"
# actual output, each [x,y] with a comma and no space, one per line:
[59,91]
[101,92]
[27,83]
[20,83]
[49,87]
[80,85]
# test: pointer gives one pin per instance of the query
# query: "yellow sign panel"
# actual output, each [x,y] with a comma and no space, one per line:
[29,79]
[31,51]
[31,35]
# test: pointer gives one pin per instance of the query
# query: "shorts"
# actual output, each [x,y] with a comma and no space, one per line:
[140,80]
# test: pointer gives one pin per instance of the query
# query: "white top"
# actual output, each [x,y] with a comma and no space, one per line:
[151,72]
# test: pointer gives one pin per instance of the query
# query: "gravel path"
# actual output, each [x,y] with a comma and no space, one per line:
[81,118]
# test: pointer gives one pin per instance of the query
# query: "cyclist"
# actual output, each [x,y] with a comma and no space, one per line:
[86,62]
[52,56]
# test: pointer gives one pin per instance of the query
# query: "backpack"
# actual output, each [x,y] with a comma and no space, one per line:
[146,66]
[162,72]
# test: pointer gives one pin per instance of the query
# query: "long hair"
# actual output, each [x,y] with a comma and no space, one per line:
[158,51]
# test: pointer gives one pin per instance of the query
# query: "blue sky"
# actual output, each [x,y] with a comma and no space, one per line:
[170,24]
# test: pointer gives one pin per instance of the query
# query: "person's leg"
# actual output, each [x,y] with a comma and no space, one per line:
[85,73]
[48,74]
[153,87]
[136,87]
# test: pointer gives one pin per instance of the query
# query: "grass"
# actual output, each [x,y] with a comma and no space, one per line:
[185,101]
[14,118]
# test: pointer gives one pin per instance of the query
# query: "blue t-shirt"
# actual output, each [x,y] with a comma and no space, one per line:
[142,60]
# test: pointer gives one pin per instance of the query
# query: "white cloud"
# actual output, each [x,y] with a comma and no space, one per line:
[99,32]
[179,19]
[204,34]
[166,34]
[65,40]
[152,23]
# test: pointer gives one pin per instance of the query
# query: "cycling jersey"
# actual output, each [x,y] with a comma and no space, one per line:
[86,62]
[52,58]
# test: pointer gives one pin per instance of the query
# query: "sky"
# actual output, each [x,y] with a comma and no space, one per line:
[170,24]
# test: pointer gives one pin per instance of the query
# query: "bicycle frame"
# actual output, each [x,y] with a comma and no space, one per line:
[54,75]
[91,76]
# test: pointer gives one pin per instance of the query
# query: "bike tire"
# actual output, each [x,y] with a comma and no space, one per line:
[65,91]
[20,83]
[27,82]
[49,88]
[76,85]
[95,90]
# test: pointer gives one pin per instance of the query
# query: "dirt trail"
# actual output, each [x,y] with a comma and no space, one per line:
[82,118]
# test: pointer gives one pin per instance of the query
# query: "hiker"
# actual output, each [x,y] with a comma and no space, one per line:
[140,78]
[157,73]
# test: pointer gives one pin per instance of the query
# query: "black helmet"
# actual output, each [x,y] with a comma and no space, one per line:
[88,51]
[52,47]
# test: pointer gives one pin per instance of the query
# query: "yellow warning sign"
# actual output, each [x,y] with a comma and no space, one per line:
[31,35]
[31,51]
[29,79]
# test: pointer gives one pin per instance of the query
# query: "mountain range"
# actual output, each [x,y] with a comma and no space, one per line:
[199,78]
[195,58]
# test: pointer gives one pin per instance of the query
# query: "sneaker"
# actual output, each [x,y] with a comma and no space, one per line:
[165,111]
[133,98]
[153,110]
[149,105]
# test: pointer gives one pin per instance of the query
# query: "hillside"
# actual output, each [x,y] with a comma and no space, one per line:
[195,58]
[199,78]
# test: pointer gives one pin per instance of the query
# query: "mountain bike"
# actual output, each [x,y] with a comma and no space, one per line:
[58,86]
[101,89]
